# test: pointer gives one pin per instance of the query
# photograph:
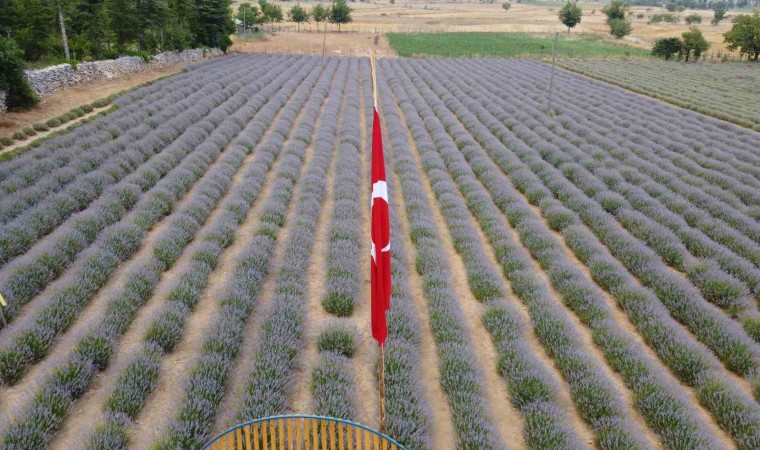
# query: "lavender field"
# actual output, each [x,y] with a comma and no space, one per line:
[728,91]
[583,279]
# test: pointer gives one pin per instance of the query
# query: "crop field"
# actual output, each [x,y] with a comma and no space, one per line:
[728,91]
[507,45]
[583,279]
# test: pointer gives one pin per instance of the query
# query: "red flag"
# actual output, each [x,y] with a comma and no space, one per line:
[381,237]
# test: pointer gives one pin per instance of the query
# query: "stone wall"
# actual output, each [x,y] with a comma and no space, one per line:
[50,79]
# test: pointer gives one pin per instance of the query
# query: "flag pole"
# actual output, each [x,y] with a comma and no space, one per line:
[380,353]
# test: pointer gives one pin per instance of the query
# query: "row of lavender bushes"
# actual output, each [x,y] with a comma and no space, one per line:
[205,386]
[142,168]
[596,397]
[118,242]
[652,389]
[45,415]
[138,379]
[694,364]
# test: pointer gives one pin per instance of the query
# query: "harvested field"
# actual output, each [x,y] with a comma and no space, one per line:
[587,278]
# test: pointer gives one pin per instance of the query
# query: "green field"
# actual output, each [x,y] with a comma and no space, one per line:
[507,45]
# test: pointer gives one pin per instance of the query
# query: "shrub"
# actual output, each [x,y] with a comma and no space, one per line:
[337,339]
[19,136]
[39,126]
[29,131]
[54,122]
[20,96]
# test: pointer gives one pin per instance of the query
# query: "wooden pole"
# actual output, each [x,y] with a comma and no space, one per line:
[380,354]
[551,77]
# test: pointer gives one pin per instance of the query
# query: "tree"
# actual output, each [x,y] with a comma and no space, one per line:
[615,10]
[667,47]
[671,6]
[214,23]
[340,13]
[271,13]
[719,9]
[745,35]
[319,13]
[12,80]
[248,14]
[505,6]
[299,15]
[693,42]
[693,19]
[570,15]
[620,28]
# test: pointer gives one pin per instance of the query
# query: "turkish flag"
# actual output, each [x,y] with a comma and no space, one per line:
[381,237]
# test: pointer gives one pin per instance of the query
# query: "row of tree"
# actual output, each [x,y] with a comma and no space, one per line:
[743,36]
[250,16]
[98,29]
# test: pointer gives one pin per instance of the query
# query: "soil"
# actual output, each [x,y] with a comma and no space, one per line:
[74,96]
[419,16]
[336,44]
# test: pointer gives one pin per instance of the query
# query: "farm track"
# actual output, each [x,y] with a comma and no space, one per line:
[547,290]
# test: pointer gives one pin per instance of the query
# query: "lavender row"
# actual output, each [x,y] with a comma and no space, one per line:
[407,408]
[54,153]
[46,414]
[616,145]
[717,286]
[459,374]
[695,365]
[661,402]
[281,339]
[597,399]
[332,380]
[18,235]
[206,386]
[719,333]
[138,379]
[78,152]
[695,128]
[36,270]
[342,284]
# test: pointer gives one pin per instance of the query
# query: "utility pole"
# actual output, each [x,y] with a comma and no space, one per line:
[63,31]
[551,77]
